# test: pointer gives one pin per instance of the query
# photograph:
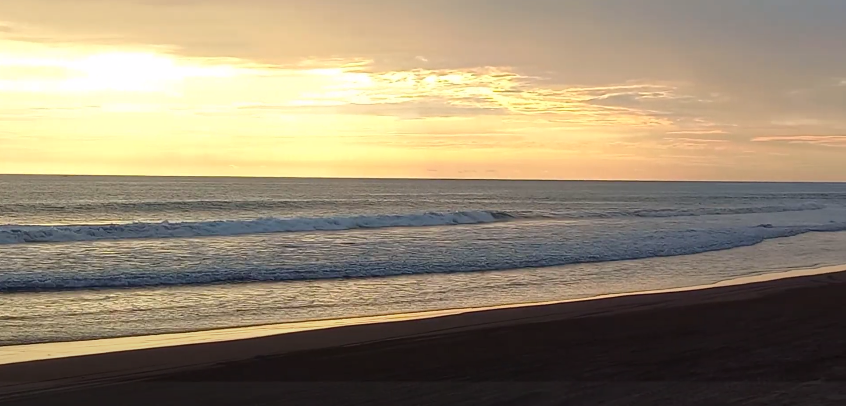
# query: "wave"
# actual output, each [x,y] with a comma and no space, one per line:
[41,234]
[19,234]
[706,211]
[702,241]
[173,206]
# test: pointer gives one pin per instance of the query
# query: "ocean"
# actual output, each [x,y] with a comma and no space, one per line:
[85,257]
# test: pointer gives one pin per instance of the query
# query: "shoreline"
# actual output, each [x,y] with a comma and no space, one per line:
[18,353]
[90,366]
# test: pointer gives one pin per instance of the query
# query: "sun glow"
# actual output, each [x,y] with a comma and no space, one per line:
[88,108]
[62,70]
[148,110]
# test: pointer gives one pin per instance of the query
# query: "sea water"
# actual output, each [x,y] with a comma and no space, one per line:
[96,257]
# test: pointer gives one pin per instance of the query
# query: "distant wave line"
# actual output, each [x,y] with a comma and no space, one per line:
[21,234]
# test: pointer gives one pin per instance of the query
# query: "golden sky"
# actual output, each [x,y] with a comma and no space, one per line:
[543,89]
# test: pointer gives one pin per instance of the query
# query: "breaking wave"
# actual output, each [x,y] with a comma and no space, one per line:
[685,243]
[18,234]
[33,234]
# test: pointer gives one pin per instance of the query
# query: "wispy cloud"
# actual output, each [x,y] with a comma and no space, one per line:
[501,89]
[697,132]
[450,141]
[697,143]
[823,140]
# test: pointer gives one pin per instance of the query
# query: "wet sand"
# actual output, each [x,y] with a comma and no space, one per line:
[762,343]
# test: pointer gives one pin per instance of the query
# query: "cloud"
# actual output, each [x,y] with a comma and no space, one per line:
[698,140]
[697,144]
[682,81]
[822,140]
[697,132]
[751,56]
[417,109]
[502,89]
[447,142]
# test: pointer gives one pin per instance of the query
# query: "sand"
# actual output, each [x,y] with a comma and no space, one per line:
[770,342]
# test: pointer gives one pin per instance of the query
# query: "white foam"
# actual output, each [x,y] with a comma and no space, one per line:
[571,252]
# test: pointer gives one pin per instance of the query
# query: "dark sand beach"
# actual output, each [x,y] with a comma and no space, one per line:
[779,342]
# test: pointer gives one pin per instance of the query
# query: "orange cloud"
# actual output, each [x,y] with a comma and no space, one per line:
[824,140]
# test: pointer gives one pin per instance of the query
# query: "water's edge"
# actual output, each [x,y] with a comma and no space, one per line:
[42,351]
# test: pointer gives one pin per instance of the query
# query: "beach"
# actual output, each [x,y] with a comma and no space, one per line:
[400,202]
[780,341]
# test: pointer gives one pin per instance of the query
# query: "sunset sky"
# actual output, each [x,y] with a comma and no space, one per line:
[543,89]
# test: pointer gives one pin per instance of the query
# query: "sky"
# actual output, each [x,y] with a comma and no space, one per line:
[516,89]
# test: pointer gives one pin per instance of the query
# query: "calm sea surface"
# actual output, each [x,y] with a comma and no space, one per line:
[93,257]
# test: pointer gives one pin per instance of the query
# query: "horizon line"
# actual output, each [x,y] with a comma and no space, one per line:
[422,178]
